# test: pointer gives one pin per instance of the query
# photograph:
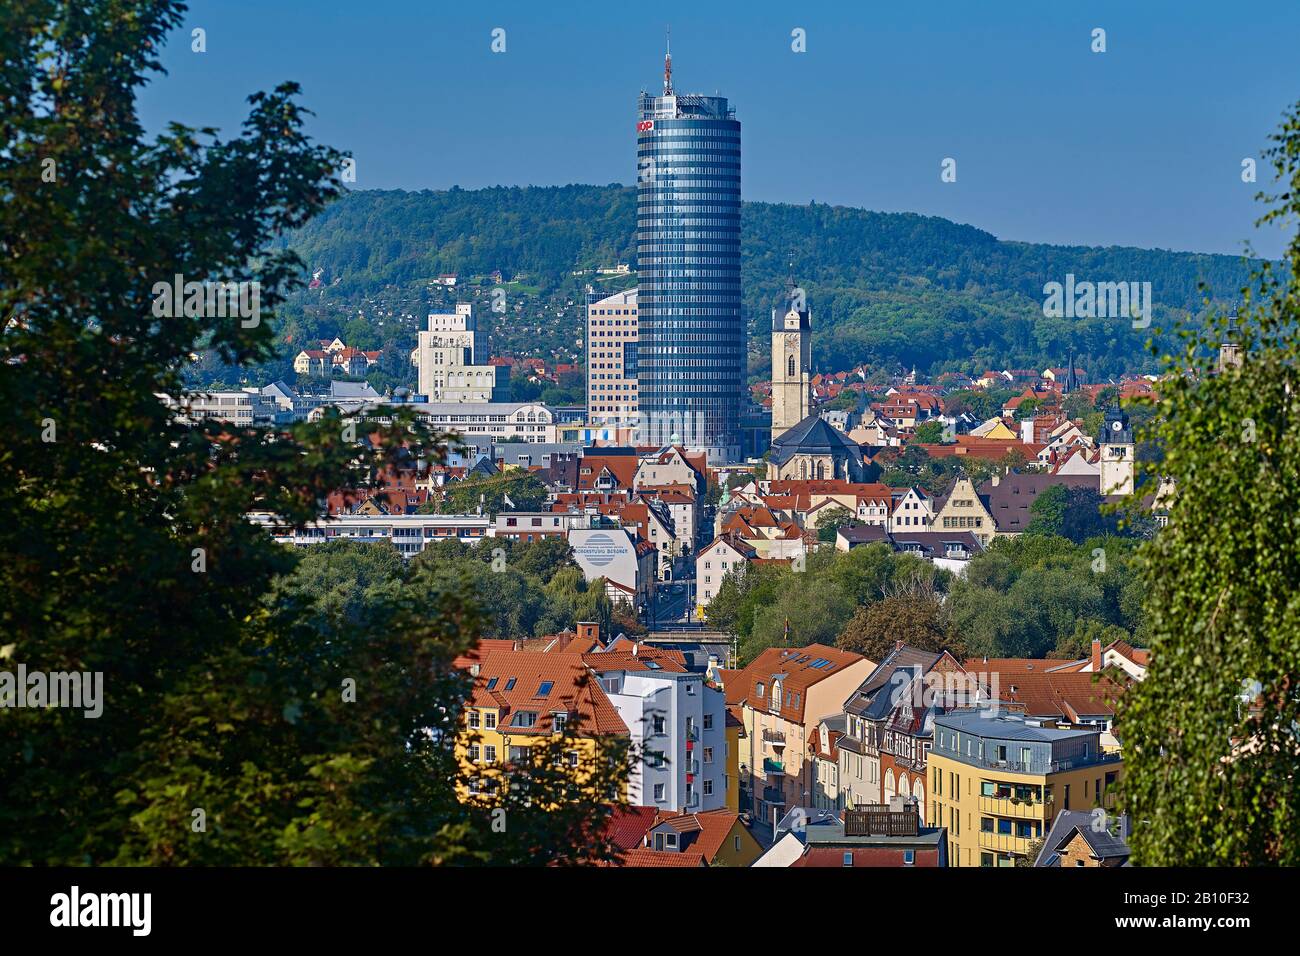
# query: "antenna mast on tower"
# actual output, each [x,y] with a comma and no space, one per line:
[668,63]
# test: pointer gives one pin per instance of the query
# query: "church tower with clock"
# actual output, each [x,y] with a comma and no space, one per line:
[1117,453]
[791,361]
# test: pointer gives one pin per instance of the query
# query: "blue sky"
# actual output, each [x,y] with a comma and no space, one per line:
[1141,145]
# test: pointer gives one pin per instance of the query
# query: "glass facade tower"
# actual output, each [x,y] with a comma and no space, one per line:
[691,356]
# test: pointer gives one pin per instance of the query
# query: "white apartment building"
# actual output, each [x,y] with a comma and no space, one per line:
[408,533]
[678,726]
[611,359]
[530,422]
[451,356]
[244,408]
[715,561]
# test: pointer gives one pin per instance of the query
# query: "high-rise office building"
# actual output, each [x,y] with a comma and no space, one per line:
[691,353]
[612,358]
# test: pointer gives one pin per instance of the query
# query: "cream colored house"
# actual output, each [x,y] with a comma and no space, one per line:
[964,510]
[913,511]
[788,691]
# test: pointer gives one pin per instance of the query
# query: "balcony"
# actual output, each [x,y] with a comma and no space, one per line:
[773,768]
[1005,842]
[774,737]
[1018,809]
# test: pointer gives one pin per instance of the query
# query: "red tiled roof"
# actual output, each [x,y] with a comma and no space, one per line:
[795,663]
[653,858]
[628,826]
[573,690]
[625,660]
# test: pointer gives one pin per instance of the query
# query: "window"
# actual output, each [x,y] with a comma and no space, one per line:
[708,721]
[735,842]
[708,755]
[658,724]
[690,688]
[708,788]
[473,719]
[474,753]
[557,723]
[848,858]
[544,688]
[909,857]
[525,718]
[490,754]
[510,684]
[489,719]
[492,684]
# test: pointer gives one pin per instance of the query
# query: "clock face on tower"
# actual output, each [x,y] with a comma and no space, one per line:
[1116,426]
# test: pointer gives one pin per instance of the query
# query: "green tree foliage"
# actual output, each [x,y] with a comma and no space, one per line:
[1077,514]
[125,541]
[1025,596]
[928,433]
[522,590]
[893,290]
[1211,734]
[918,620]
[524,489]
[757,602]
[830,521]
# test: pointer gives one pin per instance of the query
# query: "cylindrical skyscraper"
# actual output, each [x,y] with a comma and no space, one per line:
[691,358]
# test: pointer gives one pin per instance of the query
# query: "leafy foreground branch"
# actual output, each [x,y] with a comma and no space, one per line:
[234,728]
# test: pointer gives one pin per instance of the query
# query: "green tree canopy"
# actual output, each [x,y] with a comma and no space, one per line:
[1211,733]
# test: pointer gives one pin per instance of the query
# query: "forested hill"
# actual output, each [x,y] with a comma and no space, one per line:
[885,288]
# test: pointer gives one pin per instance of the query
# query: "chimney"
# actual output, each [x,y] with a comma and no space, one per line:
[589,631]
[1096,654]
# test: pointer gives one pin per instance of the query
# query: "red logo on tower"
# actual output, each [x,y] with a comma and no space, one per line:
[644,125]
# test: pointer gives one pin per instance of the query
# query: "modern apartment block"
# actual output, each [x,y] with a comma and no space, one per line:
[501,421]
[678,727]
[998,782]
[612,333]
[410,534]
[451,356]
[691,351]
[243,408]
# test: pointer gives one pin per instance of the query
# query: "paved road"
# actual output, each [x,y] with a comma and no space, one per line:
[671,604]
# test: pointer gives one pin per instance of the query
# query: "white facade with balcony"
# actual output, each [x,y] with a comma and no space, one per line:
[679,733]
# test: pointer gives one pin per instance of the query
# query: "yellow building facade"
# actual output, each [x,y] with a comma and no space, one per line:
[526,707]
[997,783]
